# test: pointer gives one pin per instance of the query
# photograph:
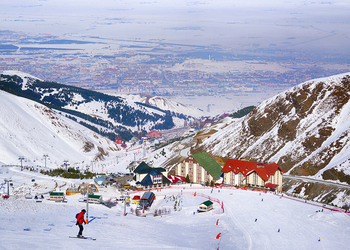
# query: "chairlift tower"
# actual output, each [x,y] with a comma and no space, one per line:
[124,205]
[92,166]
[45,156]
[87,204]
[21,158]
[8,186]
[65,163]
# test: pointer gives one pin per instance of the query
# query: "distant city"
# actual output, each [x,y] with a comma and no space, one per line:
[159,68]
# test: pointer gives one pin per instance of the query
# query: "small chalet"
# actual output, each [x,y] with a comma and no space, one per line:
[150,177]
[154,134]
[93,198]
[200,168]
[245,173]
[205,206]
[57,196]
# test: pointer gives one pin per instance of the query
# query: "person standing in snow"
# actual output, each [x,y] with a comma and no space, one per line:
[80,221]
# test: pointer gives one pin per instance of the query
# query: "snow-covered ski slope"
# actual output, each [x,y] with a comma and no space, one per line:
[251,220]
[31,130]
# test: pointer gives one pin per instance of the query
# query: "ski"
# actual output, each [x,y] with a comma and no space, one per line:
[83,238]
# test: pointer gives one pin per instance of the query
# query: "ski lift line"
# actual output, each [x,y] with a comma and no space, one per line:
[36,176]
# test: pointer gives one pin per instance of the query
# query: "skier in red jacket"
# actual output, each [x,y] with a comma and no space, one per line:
[80,221]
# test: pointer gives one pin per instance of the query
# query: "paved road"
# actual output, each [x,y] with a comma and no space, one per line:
[185,152]
[308,179]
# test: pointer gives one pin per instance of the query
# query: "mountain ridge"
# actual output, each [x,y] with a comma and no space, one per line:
[303,129]
[110,115]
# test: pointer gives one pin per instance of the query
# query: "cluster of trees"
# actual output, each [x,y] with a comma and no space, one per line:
[161,211]
[171,141]
[70,173]
[211,183]
[242,112]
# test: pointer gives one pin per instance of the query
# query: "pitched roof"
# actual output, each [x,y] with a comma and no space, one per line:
[56,193]
[176,178]
[207,203]
[159,170]
[100,179]
[165,180]
[155,132]
[153,172]
[246,168]
[147,181]
[209,164]
[143,168]
[94,196]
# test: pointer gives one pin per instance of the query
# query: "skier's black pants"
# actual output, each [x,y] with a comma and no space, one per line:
[81,228]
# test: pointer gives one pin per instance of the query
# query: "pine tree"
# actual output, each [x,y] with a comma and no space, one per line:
[188,179]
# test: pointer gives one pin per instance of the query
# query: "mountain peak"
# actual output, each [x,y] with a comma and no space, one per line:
[26,78]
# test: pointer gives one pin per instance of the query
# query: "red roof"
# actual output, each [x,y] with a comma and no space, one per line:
[136,197]
[246,168]
[154,134]
[176,178]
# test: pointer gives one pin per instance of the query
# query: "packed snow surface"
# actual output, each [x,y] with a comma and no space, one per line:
[249,220]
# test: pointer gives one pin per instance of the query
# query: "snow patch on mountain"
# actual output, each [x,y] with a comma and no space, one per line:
[165,104]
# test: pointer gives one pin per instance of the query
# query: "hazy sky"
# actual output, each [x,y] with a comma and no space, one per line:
[310,26]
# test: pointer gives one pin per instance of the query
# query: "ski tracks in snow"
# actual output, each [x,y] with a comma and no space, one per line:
[235,221]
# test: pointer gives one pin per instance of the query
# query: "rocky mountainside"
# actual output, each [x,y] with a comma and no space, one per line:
[305,130]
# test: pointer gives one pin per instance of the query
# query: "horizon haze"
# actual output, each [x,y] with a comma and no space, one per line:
[254,26]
